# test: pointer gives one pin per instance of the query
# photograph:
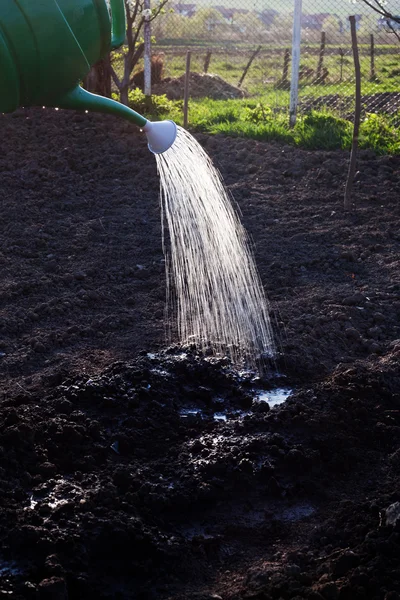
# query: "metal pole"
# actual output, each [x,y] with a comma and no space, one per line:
[296,41]
[186,90]
[147,48]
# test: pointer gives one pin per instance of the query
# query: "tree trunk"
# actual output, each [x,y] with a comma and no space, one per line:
[98,80]
[124,95]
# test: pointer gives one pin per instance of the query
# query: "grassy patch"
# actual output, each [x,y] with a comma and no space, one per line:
[381,133]
[255,119]
[266,70]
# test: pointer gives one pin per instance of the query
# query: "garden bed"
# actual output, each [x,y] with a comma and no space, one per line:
[133,470]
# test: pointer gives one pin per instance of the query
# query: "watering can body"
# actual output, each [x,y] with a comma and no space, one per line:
[48,46]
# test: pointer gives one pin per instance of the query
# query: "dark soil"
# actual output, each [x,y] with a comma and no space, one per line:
[118,478]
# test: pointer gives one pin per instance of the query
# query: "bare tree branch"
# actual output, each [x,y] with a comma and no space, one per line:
[136,57]
[394,31]
[134,50]
[376,5]
[159,9]
[115,77]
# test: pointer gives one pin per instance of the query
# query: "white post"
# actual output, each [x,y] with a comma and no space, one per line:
[147,48]
[296,41]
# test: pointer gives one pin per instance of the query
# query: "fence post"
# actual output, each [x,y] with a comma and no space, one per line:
[147,49]
[357,117]
[207,61]
[186,90]
[341,52]
[247,67]
[372,75]
[318,77]
[296,41]
[285,72]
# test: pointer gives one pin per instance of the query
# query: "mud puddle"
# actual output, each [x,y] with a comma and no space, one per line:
[172,468]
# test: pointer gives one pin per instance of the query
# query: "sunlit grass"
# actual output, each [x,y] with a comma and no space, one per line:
[258,119]
[266,70]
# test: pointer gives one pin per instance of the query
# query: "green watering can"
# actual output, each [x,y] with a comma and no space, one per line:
[48,46]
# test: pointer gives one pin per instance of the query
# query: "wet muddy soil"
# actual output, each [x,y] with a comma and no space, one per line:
[134,470]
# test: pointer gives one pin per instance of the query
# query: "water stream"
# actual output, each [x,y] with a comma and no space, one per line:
[215,295]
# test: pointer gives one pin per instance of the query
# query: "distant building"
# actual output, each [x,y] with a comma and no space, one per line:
[229,13]
[389,24]
[358,19]
[268,16]
[314,21]
[186,10]
[317,21]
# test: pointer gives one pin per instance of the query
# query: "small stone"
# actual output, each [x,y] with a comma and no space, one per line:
[392,596]
[51,266]
[246,465]
[374,332]
[273,487]
[122,478]
[347,561]
[295,456]
[394,459]
[53,566]
[392,514]
[352,334]
[197,447]
[374,347]
[293,569]
[379,317]
[29,590]
[333,166]
[354,300]
[53,588]
[80,275]
[329,591]
[47,469]
[39,347]
[260,407]
[348,255]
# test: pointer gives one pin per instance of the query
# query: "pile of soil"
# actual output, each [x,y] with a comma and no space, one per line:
[202,85]
[132,470]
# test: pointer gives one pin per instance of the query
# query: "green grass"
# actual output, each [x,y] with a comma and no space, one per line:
[255,119]
[266,69]
[264,115]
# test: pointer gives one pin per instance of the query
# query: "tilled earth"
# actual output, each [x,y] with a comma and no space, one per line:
[129,470]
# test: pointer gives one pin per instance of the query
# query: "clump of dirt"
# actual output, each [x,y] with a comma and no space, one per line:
[202,85]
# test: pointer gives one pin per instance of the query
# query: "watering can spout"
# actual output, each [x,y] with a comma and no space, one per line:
[160,135]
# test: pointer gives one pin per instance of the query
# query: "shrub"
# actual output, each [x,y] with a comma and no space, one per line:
[323,130]
[379,132]
[157,106]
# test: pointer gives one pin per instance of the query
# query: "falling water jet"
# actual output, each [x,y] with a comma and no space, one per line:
[217,292]
[214,291]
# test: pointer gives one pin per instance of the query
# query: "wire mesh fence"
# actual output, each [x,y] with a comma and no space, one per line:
[246,49]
